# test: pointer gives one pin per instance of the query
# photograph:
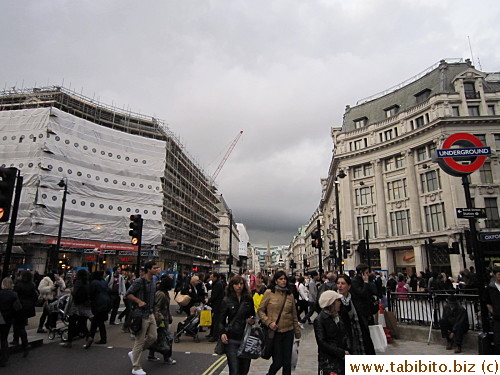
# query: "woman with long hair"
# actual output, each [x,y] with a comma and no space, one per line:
[277,311]
[330,334]
[100,304]
[26,290]
[303,303]
[236,311]
[358,333]
[78,308]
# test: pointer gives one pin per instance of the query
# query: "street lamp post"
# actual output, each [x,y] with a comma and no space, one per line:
[341,174]
[55,257]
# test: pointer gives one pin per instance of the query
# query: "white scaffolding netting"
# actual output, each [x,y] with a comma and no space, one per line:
[109,174]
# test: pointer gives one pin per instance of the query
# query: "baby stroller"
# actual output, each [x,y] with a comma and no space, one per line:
[58,308]
[191,325]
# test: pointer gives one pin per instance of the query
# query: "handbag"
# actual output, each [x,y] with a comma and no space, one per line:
[220,347]
[269,335]
[182,299]
[163,342]
[252,344]
[378,337]
[136,314]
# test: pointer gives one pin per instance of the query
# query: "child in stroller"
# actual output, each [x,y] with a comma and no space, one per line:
[191,325]
[57,311]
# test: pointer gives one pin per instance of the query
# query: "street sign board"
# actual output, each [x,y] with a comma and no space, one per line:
[472,150]
[471,213]
[491,236]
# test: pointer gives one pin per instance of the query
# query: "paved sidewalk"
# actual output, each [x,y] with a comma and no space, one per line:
[307,363]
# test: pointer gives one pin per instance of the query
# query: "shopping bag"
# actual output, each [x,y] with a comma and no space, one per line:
[378,337]
[252,344]
[163,342]
[205,318]
[295,353]
[182,299]
[220,347]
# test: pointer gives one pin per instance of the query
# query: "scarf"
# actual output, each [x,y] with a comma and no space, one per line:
[356,337]
[281,289]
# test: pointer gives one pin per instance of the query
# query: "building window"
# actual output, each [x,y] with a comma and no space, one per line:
[473,110]
[419,122]
[400,222]
[422,96]
[391,111]
[491,110]
[497,142]
[455,111]
[360,122]
[491,207]
[389,164]
[364,196]
[425,152]
[358,144]
[367,223]
[430,181]
[486,174]
[364,170]
[399,161]
[434,217]
[481,137]
[470,91]
[396,189]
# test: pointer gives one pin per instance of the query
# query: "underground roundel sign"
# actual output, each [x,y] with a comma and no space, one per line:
[461,154]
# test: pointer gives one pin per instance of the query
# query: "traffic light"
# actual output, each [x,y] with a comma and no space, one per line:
[229,259]
[362,247]
[333,249]
[346,245]
[317,242]
[308,264]
[7,183]
[305,263]
[135,229]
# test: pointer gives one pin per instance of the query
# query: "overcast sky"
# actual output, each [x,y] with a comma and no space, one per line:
[281,71]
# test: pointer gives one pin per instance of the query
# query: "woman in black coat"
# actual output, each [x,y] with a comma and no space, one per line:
[28,295]
[100,304]
[330,335]
[9,307]
[236,311]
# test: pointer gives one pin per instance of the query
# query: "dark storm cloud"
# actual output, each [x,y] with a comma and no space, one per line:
[281,71]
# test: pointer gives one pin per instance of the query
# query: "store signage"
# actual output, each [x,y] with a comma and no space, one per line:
[92,245]
[471,213]
[487,237]
[462,161]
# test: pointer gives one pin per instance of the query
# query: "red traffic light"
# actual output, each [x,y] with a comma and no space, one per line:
[135,229]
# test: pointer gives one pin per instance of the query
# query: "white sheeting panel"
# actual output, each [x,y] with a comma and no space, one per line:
[103,167]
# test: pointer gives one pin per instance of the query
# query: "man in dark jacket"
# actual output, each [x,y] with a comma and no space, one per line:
[454,324]
[362,295]
[493,303]
[214,302]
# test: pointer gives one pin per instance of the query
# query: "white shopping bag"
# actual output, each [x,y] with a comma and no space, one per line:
[295,353]
[379,340]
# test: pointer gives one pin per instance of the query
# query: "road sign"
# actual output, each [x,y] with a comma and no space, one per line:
[491,236]
[473,151]
[471,213]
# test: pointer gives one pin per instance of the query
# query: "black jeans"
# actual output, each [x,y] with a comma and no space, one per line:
[237,366]
[98,322]
[20,331]
[4,344]
[282,353]
[312,309]
[76,325]
[115,304]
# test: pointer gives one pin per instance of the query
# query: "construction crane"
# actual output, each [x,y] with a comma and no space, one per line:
[226,156]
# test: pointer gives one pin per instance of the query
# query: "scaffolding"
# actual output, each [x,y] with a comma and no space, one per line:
[189,199]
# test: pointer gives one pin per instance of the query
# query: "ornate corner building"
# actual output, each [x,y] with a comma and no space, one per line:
[391,192]
[115,164]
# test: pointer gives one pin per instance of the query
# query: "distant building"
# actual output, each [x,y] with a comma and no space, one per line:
[270,258]
[394,191]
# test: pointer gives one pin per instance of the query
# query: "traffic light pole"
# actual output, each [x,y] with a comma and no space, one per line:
[138,270]
[12,225]
[55,256]
[478,256]
[320,247]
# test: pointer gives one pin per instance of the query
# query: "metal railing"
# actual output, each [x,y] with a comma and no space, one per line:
[424,309]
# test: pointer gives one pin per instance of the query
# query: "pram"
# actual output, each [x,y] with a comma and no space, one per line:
[57,310]
[191,325]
